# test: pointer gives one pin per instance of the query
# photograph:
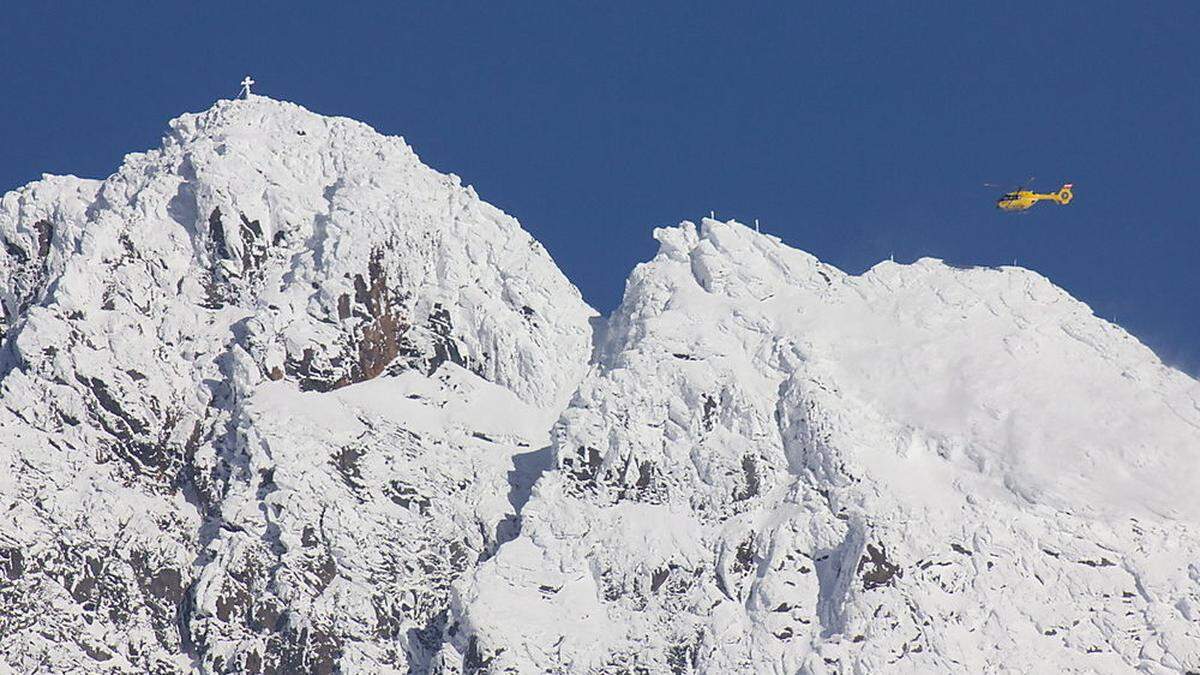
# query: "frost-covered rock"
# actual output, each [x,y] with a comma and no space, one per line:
[190,480]
[778,467]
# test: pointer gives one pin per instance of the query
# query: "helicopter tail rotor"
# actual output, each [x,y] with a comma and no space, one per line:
[1066,193]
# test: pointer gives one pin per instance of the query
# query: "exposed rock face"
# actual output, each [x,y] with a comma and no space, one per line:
[276,397]
[169,501]
[777,467]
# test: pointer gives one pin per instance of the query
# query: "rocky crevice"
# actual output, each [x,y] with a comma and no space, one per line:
[235,273]
[29,272]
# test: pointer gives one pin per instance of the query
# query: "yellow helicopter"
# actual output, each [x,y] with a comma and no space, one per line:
[1022,199]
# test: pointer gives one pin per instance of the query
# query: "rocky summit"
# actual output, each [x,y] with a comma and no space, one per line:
[276,397]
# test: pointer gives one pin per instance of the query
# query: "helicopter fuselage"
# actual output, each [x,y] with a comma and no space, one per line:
[1020,200]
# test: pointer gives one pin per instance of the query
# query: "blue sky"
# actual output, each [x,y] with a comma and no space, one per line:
[853,130]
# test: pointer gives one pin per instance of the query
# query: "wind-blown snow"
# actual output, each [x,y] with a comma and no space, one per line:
[277,397]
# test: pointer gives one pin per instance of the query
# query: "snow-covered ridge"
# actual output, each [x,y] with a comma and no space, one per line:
[277,397]
[779,467]
[996,363]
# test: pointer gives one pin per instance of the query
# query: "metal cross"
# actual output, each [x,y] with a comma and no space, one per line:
[246,86]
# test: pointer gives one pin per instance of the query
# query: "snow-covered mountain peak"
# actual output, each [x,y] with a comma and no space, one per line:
[997,367]
[278,397]
[291,215]
[780,467]
[255,115]
[169,334]
[274,126]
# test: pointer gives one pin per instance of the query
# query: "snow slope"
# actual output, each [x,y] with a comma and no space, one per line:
[777,467]
[276,397]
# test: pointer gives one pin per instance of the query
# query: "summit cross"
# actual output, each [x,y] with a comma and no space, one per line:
[246,86]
